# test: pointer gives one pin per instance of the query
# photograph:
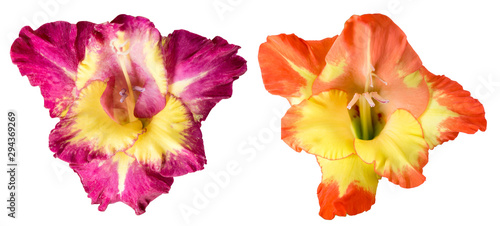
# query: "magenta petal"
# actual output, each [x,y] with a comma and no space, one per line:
[190,158]
[121,178]
[141,61]
[150,101]
[72,152]
[49,56]
[143,34]
[201,71]
[137,24]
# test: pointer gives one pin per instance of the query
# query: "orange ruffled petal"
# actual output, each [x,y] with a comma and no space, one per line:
[348,186]
[451,110]
[290,65]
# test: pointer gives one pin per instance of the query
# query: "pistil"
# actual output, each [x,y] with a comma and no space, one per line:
[122,53]
[365,119]
[131,100]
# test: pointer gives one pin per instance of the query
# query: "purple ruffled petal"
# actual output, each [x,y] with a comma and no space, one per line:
[201,71]
[49,56]
[121,178]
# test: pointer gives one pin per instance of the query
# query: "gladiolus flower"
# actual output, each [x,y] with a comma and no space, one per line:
[364,105]
[130,101]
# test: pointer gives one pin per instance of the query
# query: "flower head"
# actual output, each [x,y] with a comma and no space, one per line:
[130,101]
[364,105]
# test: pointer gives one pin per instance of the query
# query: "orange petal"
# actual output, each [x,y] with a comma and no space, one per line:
[373,43]
[348,186]
[320,125]
[451,110]
[399,151]
[290,64]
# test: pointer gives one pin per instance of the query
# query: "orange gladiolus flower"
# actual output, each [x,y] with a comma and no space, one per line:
[364,105]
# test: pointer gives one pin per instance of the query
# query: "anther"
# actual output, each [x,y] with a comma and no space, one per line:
[377,97]
[123,99]
[124,95]
[139,89]
[368,98]
[353,100]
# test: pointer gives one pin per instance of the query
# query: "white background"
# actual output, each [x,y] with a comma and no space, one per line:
[272,183]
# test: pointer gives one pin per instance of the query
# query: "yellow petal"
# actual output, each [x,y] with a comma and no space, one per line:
[320,125]
[172,144]
[87,131]
[399,151]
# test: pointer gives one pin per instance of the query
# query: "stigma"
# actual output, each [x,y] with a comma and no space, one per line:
[119,48]
[372,74]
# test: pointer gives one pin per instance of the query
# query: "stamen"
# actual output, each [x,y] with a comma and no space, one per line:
[377,97]
[123,92]
[368,98]
[124,95]
[123,98]
[139,89]
[353,100]
[376,76]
